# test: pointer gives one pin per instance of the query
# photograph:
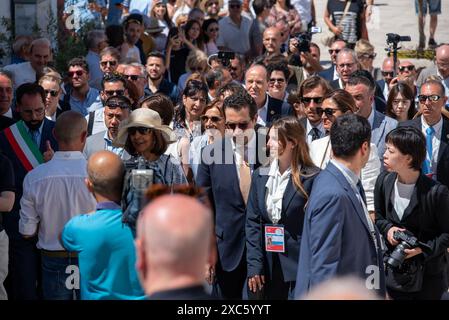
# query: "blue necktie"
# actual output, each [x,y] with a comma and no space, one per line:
[427,163]
[315,134]
[34,134]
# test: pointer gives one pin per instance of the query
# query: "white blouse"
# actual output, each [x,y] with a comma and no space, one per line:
[276,185]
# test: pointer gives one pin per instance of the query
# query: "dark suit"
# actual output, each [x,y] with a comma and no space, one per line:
[336,238]
[5,122]
[443,152]
[335,84]
[188,293]
[220,180]
[276,109]
[277,267]
[426,217]
[23,264]
[328,74]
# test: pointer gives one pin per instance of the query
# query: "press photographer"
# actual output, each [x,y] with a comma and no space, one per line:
[411,213]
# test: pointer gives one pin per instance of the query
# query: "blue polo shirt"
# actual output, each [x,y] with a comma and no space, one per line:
[106,254]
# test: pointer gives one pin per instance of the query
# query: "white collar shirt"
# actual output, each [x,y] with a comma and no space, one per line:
[276,185]
[262,113]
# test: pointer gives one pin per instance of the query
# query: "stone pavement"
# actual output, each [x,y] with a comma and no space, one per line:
[391,16]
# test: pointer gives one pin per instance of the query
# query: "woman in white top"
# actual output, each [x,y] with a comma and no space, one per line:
[159,11]
[275,212]
[335,104]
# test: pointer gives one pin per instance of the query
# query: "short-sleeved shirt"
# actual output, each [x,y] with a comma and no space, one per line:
[83,106]
[6,179]
[351,23]
[106,254]
[22,73]
[234,37]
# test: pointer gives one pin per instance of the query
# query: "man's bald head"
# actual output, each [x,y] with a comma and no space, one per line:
[105,171]
[272,40]
[70,128]
[175,233]
[442,60]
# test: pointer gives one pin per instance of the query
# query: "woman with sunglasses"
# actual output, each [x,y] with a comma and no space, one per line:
[366,55]
[278,195]
[53,91]
[401,102]
[210,35]
[336,104]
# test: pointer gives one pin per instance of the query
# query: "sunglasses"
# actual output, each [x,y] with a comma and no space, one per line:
[111,63]
[367,56]
[116,105]
[432,97]
[307,100]
[406,68]
[53,93]
[142,130]
[387,73]
[210,4]
[132,77]
[214,119]
[336,51]
[279,80]
[235,6]
[329,112]
[79,73]
[114,92]
[242,126]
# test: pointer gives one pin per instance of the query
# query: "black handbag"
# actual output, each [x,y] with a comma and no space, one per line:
[409,278]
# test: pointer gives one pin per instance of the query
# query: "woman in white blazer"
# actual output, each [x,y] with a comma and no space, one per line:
[335,104]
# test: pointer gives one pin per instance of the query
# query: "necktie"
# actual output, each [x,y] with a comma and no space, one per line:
[34,134]
[315,133]
[361,191]
[427,163]
[245,180]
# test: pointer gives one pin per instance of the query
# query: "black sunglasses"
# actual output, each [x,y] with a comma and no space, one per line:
[116,105]
[235,6]
[142,130]
[331,51]
[214,119]
[307,100]
[329,112]
[432,97]
[387,73]
[274,80]
[132,77]
[79,73]
[406,68]
[114,92]
[111,63]
[53,93]
[242,126]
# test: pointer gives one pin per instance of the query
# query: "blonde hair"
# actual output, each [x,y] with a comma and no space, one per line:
[363,46]
[195,60]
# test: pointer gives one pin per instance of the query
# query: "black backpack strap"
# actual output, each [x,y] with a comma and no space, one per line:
[90,123]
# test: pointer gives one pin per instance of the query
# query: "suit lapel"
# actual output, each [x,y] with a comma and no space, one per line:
[389,185]
[262,190]
[377,124]
[444,139]
[273,109]
[289,193]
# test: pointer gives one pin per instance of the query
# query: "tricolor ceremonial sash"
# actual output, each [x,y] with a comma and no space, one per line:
[25,149]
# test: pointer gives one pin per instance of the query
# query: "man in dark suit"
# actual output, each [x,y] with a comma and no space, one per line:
[347,64]
[268,108]
[225,173]
[388,75]
[172,248]
[331,73]
[435,128]
[27,144]
[5,122]
[339,238]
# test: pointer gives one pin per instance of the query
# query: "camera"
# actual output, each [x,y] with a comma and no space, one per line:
[303,42]
[395,38]
[406,241]
[225,57]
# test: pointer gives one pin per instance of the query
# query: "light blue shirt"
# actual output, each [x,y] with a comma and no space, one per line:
[117,150]
[93,95]
[106,254]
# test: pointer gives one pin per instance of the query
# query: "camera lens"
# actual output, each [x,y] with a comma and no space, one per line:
[397,256]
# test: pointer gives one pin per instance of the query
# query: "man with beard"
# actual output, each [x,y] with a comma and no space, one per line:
[268,108]
[116,109]
[40,56]
[27,144]
[133,27]
[156,81]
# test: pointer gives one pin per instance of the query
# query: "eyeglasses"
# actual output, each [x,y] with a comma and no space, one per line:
[53,93]
[387,73]
[235,6]
[279,80]
[348,65]
[132,77]
[397,102]
[336,51]
[114,92]
[406,68]
[79,73]
[242,126]
[112,63]
[432,98]
[367,56]
[329,112]
[214,119]
[308,100]
[142,130]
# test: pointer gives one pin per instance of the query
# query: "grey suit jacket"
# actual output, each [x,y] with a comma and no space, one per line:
[382,124]
[96,143]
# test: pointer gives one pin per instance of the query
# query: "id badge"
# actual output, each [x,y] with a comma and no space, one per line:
[274,238]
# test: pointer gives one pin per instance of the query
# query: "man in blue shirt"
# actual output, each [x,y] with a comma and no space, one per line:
[105,245]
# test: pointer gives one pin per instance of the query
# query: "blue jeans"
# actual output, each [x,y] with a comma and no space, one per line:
[57,283]
[434,7]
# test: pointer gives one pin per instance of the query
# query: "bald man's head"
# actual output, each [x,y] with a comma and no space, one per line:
[105,172]
[174,232]
[70,128]
[272,40]
[442,60]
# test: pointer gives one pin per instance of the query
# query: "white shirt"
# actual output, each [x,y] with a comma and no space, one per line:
[53,193]
[276,185]
[436,140]
[336,75]
[22,73]
[401,197]
[386,91]
[309,128]
[8,113]
[262,113]
[233,37]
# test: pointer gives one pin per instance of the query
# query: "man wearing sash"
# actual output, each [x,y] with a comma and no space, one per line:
[26,143]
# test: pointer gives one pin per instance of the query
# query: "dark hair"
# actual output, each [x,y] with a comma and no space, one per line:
[112,77]
[199,41]
[259,6]
[133,18]
[313,44]
[362,77]
[232,87]
[30,89]
[206,25]
[115,35]
[156,54]
[436,83]
[343,100]
[407,93]
[212,76]
[312,83]
[239,101]
[162,105]
[348,133]
[79,62]
[158,148]
[409,141]
[191,89]
[282,67]
[122,101]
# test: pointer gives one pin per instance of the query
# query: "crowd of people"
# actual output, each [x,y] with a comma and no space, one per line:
[200,150]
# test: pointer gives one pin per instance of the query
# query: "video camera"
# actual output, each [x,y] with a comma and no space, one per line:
[225,57]
[406,241]
[393,38]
